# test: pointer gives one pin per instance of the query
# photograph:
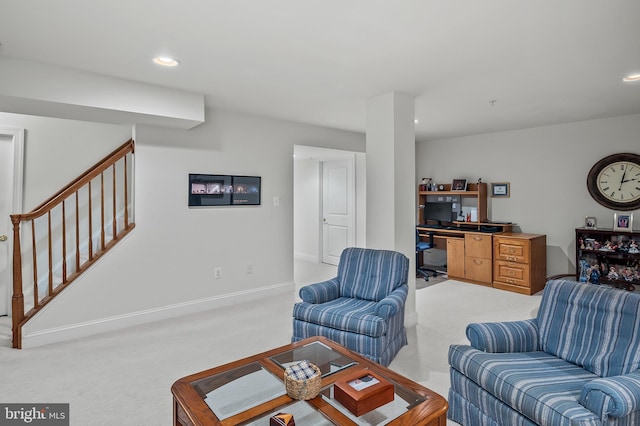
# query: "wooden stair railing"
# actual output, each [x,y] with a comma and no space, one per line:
[50,234]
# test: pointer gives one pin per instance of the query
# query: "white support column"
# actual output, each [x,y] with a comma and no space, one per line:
[391,189]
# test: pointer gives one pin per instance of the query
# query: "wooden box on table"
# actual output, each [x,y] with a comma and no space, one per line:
[363,391]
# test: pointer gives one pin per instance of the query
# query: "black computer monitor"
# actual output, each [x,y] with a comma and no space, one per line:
[440,213]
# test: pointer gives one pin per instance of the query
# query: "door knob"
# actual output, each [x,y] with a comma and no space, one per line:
[3,238]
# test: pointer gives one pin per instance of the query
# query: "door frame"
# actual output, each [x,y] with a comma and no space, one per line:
[17,140]
[312,196]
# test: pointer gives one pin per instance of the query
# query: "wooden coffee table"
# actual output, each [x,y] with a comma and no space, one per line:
[250,390]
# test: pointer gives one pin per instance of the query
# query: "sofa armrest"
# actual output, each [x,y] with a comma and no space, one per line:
[320,292]
[393,303]
[615,396]
[515,336]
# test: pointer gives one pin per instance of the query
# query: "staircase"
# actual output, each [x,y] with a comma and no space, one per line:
[59,240]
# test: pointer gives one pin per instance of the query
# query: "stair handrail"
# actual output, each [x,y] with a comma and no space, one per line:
[19,318]
[89,174]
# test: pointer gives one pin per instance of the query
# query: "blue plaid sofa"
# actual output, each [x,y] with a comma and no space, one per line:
[362,308]
[576,363]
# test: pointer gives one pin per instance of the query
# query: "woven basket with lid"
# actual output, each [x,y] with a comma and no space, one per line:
[303,389]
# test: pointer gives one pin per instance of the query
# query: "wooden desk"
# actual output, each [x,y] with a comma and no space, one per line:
[488,258]
[423,407]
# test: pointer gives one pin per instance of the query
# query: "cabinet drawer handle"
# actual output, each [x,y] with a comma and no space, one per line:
[511,281]
[477,238]
[477,261]
[511,250]
[511,257]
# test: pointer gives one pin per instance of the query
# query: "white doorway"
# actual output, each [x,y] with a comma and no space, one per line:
[308,216]
[11,166]
[338,208]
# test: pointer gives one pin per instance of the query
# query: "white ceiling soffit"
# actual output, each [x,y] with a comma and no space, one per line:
[31,88]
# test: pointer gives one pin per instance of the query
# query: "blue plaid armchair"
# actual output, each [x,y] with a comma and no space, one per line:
[577,363]
[362,308]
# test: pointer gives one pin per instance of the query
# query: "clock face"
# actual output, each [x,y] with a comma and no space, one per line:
[614,181]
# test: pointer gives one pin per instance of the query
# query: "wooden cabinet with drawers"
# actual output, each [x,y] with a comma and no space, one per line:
[455,257]
[520,262]
[477,258]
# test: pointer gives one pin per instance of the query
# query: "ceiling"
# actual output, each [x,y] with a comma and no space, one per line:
[473,66]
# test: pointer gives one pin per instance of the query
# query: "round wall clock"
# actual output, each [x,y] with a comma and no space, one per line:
[614,181]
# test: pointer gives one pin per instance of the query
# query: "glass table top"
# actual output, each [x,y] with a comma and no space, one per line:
[325,358]
[305,414]
[239,389]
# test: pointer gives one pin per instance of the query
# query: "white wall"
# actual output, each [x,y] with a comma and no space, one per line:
[57,151]
[547,168]
[167,263]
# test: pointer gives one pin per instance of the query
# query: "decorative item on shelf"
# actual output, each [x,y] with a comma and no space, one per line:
[500,189]
[622,221]
[584,271]
[607,256]
[302,380]
[426,184]
[613,181]
[590,222]
[459,185]
[282,419]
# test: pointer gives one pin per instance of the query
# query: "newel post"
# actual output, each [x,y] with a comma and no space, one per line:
[17,301]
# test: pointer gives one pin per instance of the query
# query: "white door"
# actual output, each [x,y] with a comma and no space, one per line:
[11,141]
[338,216]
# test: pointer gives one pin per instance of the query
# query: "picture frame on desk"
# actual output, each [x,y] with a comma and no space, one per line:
[459,185]
[623,221]
[500,189]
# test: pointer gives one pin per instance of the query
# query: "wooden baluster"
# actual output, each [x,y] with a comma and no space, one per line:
[77,233]
[64,242]
[90,224]
[126,197]
[102,210]
[115,222]
[36,298]
[17,301]
[50,255]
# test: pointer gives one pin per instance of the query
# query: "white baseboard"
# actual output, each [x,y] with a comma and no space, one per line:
[75,331]
[305,256]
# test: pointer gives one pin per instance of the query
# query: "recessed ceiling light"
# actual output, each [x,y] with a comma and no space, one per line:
[166,61]
[632,77]
[416,121]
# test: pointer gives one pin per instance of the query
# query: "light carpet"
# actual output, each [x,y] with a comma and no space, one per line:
[125,377]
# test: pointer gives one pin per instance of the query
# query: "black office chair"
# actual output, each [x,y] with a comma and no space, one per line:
[421,246]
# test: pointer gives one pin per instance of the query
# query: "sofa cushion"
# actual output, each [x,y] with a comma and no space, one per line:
[371,274]
[594,327]
[470,405]
[344,313]
[541,386]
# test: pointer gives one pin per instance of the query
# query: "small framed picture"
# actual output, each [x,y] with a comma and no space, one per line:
[459,185]
[500,189]
[590,222]
[622,221]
